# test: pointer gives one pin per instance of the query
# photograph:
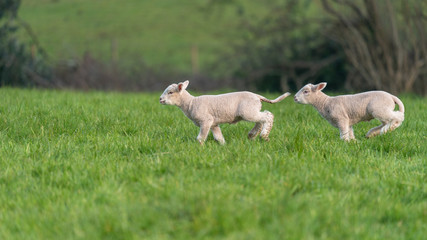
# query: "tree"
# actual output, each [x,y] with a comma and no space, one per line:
[19,65]
[285,50]
[385,43]
[355,45]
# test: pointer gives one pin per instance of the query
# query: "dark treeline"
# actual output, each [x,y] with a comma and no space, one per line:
[354,46]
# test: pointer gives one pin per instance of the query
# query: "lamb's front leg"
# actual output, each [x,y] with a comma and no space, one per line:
[352,137]
[216,131]
[344,130]
[204,131]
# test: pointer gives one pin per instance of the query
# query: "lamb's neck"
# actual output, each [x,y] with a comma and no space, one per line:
[186,99]
[320,101]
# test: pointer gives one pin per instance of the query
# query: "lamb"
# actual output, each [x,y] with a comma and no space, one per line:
[346,110]
[209,111]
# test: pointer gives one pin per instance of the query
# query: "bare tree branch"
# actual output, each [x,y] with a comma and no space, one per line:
[386,54]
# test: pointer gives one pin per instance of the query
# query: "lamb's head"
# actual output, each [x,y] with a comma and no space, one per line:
[172,94]
[307,94]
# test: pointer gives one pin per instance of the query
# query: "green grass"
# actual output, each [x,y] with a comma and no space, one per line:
[160,32]
[121,166]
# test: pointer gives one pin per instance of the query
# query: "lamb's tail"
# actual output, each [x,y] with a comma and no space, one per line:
[280,98]
[399,103]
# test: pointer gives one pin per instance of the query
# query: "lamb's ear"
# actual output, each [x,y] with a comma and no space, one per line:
[320,86]
[183,86]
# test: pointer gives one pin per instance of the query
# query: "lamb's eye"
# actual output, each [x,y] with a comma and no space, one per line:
[305,91]
[170,93]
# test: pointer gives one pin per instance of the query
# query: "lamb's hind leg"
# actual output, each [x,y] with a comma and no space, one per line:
[390,126]
[397,121]
[264,121]
[255,131]
[375,131]
[268,119]
[390,120]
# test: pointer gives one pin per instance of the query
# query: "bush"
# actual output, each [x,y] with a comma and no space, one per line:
[284,51]
[383,41]
[19,65]
[352,45]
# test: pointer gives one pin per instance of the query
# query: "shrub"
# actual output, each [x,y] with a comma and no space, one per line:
[19,65]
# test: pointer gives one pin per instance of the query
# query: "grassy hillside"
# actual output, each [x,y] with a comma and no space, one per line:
[121,166]
[162,33]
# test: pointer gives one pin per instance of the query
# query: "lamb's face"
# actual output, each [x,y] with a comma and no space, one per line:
[307,94]
[170,96]
[303,95]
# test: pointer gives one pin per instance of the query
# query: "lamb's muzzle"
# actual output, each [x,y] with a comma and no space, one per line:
[346,110]
[209,111]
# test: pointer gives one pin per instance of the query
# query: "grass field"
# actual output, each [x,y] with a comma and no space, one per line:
[161,32]
[121,166]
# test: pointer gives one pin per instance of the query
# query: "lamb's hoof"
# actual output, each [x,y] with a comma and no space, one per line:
[252,134]
[266,139]
[371,135]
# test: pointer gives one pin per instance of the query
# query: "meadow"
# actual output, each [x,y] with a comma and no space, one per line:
[94,165]
[158,33]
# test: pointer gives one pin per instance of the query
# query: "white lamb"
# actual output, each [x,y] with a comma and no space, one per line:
[346,110]
[208,111]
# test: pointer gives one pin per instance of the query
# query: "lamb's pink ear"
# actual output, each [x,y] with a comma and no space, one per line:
[320,86]
[183,86]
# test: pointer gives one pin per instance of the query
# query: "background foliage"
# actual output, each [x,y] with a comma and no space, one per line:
[19,65]
[280,46]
